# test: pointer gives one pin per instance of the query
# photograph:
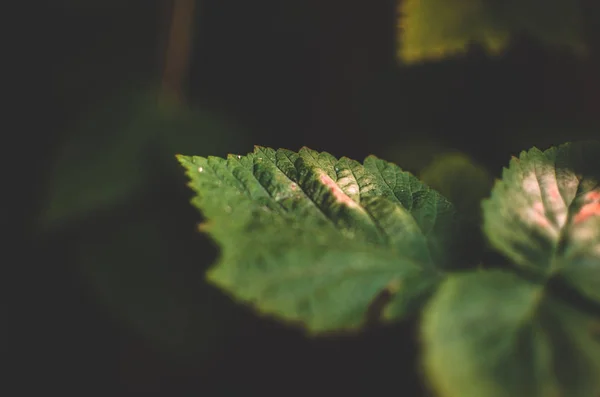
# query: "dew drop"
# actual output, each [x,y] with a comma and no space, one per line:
[239,157]
[200,169]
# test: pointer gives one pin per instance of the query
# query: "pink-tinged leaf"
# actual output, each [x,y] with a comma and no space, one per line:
[545,213]
[339,195]
[315,240]
[590,209]
[579,261]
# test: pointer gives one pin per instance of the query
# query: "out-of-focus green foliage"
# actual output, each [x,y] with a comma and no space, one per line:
[492,334]
[100,162]
[464,182]
[118,153]
[134,273]
[435,29]
[111,154]
[313,239]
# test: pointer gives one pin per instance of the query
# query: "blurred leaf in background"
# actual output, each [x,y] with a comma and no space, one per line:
[99,164]
[104,160]
[454,174]
[138,272]
[460,179]
[493,334]
[434,29]
[465,183]
[114,184]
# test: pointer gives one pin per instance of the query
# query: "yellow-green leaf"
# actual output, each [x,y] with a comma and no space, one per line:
[435,29]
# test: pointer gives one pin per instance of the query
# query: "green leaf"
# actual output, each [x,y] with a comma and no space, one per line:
[111,155]
[545,214]
[314,240]
[492,334]
[434,29]
[464,182]
[100,162]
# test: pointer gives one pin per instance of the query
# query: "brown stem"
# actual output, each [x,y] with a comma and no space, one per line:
[177,54]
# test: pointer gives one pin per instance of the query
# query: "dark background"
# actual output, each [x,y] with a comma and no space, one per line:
[114,301]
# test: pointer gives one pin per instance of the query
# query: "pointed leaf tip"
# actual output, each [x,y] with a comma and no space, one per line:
[313,239]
